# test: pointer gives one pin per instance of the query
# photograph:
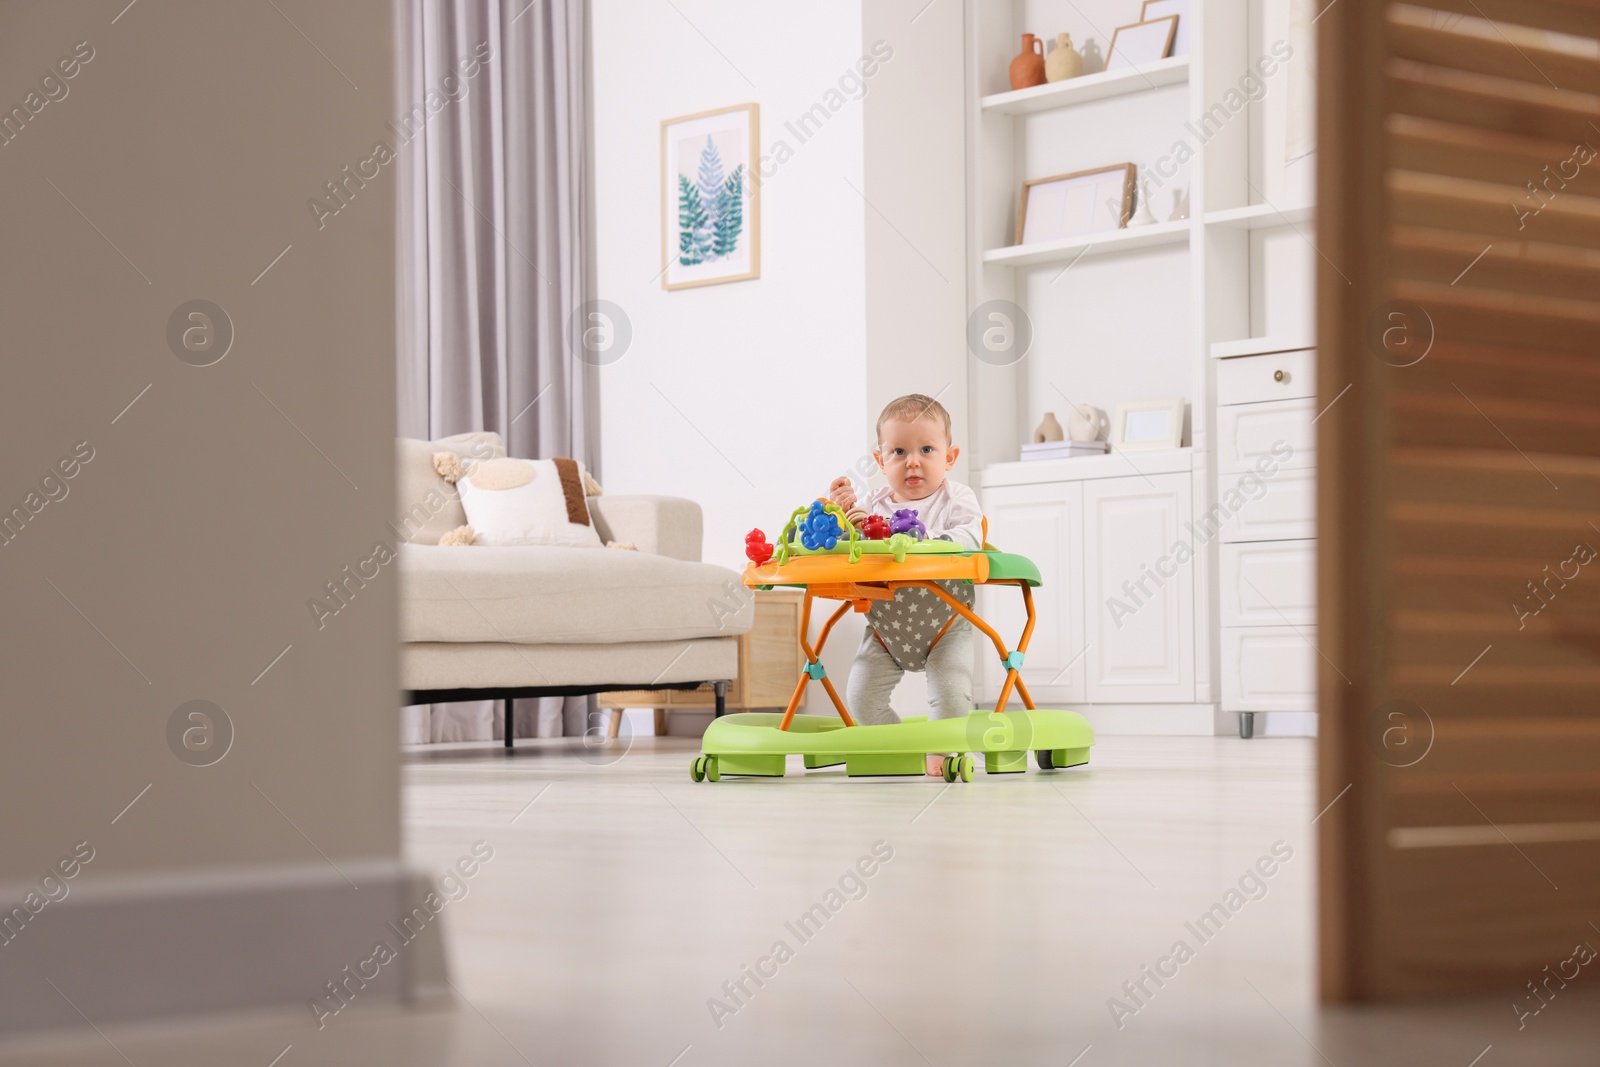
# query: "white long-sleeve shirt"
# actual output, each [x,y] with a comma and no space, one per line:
[952,510]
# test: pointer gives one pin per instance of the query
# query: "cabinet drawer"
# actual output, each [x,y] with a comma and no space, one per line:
[1279,376]
[1269,583]
[1287,511]
[1269,668]
[1247,432]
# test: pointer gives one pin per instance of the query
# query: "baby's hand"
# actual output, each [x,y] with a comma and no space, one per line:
[842,493]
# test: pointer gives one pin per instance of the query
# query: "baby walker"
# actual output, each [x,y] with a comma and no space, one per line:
[823,553]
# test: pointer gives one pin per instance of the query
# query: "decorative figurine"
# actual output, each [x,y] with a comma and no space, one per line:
[820,529]
[905,522]
[875,528]
[756,548]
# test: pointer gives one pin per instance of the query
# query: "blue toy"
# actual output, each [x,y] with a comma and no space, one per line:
[905,522]
[819,529]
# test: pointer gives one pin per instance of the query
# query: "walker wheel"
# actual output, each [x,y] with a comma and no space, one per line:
[697,769]
[712,771]
[964,767]
[951,766]
[1045,758]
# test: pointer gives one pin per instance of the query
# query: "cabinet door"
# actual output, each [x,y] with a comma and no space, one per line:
[1269,668]
[1140,589]
[1287,510]
[1044,523]
[1269,583]
[1248,432]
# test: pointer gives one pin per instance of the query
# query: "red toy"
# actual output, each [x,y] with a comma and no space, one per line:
[756,548]
[875,528]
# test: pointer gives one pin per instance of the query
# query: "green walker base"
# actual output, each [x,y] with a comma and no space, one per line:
[751,744]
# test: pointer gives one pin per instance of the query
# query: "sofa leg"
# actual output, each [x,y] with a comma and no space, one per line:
[661,722]
[510,706]
[721,689]
[615,726]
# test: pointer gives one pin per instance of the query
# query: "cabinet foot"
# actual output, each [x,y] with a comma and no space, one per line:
[1247,724]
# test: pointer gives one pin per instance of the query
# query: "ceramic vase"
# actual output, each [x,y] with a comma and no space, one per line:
[1064,62]
[1180,205]
[1027,69]
[1048,429]
[1142,215]
[1086,423]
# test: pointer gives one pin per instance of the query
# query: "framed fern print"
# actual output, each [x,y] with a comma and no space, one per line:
[710,197]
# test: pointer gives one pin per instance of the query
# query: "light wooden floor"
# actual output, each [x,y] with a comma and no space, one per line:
[621,897]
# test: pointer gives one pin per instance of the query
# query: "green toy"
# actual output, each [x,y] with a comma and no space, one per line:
[858,572]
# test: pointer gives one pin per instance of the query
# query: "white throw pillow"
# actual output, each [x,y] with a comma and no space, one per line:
[527,502]
[427,505]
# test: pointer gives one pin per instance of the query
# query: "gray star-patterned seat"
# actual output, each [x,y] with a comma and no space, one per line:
[908,624]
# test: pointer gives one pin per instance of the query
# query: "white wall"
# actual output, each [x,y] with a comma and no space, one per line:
[744,396]
[750,397]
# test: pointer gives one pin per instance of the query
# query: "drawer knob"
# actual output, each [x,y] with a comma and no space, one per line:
[1279,376]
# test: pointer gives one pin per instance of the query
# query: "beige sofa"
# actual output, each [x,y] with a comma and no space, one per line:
[481,622]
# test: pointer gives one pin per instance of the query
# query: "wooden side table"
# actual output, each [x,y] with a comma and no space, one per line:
[770,661]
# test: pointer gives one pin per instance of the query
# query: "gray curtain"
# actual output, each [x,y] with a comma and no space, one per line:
[492,167]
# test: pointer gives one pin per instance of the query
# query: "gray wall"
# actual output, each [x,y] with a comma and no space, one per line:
[180,560]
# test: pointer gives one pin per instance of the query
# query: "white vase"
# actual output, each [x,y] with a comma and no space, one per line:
[1142,215]
[1086,423]
[1180,205]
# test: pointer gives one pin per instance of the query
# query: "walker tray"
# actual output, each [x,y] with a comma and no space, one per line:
[859,571]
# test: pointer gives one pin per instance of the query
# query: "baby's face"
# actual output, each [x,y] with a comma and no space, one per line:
[915,455]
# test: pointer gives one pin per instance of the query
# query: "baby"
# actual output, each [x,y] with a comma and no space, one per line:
[915,453]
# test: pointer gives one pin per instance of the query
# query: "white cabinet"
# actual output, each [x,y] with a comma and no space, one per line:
[1269,583]
[1277,508]
[1269,668]
[1139,589]
[1116,612]
[1267,486]
[1044,523]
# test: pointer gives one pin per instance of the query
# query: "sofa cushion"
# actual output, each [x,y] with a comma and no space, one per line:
[428,505]
[553,595]
[527,502]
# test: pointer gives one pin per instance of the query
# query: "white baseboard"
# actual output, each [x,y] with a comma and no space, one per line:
[1171,720]
[1271,723]
[136,947]
[1179,720]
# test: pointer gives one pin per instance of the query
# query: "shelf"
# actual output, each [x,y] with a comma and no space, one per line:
[1087,468]
[1260,217]
[1093,244]
[1089,87]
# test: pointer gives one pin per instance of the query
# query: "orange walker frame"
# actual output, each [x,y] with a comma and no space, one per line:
[860,597]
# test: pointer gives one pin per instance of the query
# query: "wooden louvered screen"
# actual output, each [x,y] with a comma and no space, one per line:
[1459,504]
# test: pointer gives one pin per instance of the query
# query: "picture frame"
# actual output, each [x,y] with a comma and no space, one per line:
[1072,205]
[1139,43]
[1147,425]
[710,197]
[1160,9]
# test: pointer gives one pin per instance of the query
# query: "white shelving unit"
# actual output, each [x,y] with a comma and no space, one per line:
[1071,248]
[1133,314]
[1088,87]
[1260,217]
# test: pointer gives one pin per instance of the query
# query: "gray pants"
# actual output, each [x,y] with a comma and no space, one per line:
[874,675]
